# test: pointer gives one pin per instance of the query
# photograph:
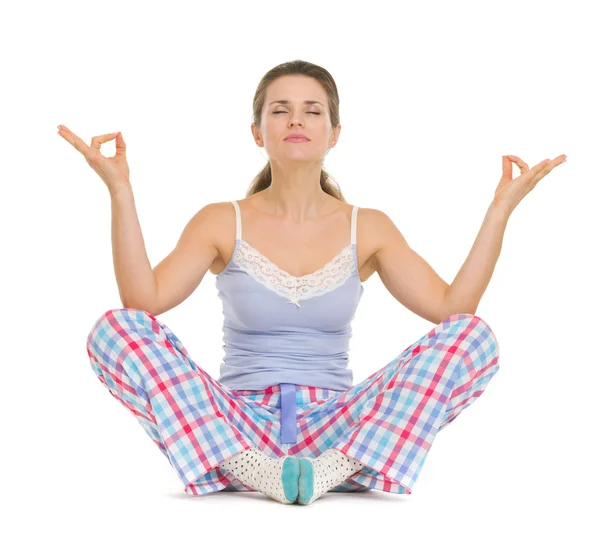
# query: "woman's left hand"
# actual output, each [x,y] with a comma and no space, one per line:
[510,192]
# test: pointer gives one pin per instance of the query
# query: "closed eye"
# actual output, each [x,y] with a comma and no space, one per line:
[282,112]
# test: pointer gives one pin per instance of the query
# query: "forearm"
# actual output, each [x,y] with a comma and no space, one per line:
[465,292]
[135,277]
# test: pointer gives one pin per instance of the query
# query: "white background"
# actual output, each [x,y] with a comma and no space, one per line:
[432,95]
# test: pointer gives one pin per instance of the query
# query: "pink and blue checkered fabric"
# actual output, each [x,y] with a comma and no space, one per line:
[387,422]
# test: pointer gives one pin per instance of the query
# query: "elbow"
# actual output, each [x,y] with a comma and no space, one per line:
[449,308]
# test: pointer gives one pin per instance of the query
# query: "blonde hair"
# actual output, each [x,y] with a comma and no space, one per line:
[297,67]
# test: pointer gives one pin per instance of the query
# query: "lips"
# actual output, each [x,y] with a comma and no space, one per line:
[297,137]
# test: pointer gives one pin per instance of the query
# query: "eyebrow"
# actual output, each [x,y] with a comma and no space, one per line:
[285,101]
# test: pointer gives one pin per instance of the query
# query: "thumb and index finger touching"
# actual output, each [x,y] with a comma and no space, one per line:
[97,141]
[507,162]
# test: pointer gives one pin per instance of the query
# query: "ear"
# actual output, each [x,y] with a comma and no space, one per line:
[336,134]
[257,135]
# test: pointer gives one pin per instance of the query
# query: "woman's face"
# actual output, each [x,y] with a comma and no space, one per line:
[312,119]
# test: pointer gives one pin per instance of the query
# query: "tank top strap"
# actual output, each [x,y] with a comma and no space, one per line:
[238,221]
[353,226]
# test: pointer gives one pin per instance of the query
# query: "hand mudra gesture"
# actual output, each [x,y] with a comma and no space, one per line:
[114,171]
[509,191]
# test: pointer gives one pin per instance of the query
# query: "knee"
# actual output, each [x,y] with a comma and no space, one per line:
[110,323]
[473,322]
[486,340]
[485,329]
[117,316]
[124,313]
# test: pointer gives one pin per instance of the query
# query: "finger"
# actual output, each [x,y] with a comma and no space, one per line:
[506,167]
[546,166]
[539,170]
[97,141]
[73,139]
[521,164]
[120,144]
[551,164]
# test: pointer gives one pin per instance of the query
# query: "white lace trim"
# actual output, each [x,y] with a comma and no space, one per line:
[320,282]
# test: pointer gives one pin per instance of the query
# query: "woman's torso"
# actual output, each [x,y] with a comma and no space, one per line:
[289,327]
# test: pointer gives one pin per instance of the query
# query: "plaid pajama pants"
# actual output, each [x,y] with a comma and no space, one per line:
[387,422]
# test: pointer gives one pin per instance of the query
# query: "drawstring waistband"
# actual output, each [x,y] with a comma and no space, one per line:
[289,426]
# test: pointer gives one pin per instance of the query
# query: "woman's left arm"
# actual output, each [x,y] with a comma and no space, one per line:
[465,292]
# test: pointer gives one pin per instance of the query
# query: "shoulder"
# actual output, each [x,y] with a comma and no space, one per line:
[219,212]
[211,220]
[373,225]
[378,231]
[374,221]
[213,213]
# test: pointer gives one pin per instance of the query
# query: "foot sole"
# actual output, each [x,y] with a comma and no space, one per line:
[290,476]
[305,482]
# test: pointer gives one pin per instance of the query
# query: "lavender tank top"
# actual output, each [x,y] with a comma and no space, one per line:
[280,329]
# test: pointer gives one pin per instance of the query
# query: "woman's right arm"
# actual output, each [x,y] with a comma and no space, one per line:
[175,277]
[135,276]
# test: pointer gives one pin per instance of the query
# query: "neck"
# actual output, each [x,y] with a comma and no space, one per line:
[295,193]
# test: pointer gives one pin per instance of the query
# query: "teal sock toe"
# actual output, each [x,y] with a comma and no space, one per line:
[305,481]
[289,478]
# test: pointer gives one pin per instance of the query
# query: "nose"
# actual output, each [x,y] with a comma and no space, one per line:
[293,120]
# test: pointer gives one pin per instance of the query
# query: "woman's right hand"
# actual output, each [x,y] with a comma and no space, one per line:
[114,171]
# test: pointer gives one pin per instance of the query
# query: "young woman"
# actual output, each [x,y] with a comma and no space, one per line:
[284,417]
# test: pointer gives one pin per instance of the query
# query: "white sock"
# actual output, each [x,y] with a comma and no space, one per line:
[330,469]
[259,471]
